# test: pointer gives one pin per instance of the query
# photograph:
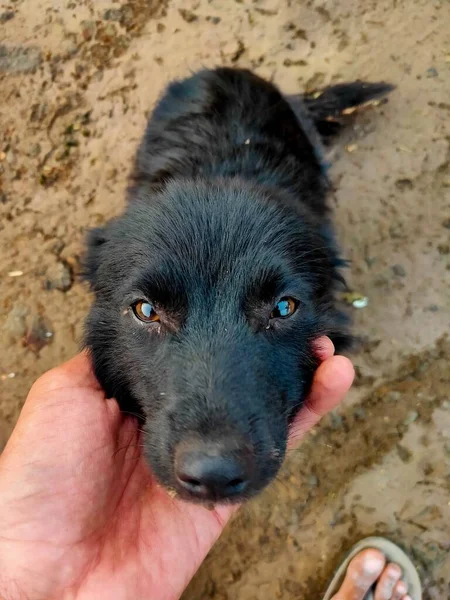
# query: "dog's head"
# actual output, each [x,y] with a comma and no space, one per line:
[207,300]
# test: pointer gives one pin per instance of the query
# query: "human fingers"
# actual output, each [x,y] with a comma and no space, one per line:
[332,381]
[75,373]
[323,348]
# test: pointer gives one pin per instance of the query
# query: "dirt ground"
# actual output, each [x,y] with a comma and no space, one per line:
[77,80]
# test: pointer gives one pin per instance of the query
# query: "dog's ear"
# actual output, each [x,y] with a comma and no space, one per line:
[95,246]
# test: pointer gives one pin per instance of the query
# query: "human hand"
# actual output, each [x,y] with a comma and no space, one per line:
[81,516]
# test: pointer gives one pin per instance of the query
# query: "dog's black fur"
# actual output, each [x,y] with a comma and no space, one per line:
[227,214]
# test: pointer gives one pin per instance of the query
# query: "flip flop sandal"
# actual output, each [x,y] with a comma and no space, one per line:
[393,554]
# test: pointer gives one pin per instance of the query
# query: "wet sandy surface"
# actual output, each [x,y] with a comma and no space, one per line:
[77,80]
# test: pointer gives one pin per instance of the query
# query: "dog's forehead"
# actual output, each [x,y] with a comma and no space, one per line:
[204,222]
[200,270]
[199,241]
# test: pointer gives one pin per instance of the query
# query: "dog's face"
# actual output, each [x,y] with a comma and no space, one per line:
[206,303]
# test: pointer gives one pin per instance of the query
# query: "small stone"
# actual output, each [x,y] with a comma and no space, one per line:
[399,270]
[7,16]
[432,72]
[361,302]
[411,417]
[404,454]
[38,335]
[187,15]
[313,481]
[351,148]
[446,223]
[59,277]
[356,299]
[160,27]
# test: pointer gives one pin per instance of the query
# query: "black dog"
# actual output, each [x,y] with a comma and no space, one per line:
[212,286]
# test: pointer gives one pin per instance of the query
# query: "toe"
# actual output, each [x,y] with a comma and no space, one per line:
[364,569]
[400,590]
[387,582]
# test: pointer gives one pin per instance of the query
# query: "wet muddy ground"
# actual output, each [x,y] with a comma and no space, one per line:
[77,81]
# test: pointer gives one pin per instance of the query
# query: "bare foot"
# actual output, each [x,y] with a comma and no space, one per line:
[368,568]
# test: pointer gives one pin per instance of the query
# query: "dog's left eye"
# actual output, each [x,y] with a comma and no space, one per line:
[144,311]
[284,308]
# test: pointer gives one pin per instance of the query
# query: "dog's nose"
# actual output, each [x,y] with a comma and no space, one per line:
[208,474]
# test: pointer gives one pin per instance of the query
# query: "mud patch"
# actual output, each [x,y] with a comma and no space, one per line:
[17,60]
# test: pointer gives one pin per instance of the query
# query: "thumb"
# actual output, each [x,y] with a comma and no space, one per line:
[332,381]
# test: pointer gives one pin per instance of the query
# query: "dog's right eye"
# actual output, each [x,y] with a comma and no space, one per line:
[145,312]
[284,308]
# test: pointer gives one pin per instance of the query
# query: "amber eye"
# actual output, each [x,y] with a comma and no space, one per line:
[284,308]
[144,311]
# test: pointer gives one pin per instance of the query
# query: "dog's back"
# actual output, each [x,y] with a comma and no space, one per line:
[230,122]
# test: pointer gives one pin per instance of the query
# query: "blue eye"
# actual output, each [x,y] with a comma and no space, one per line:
[144,311]
[284,308]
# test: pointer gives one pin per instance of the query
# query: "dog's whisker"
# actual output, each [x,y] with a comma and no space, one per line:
[131,413]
